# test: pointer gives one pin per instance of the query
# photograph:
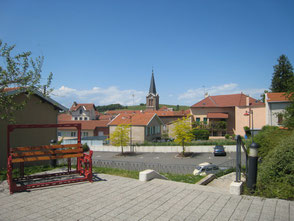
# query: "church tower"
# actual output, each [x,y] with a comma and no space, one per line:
[152,99]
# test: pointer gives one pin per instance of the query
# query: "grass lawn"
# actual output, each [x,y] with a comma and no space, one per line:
[189,178]
[27,171]
[185,178]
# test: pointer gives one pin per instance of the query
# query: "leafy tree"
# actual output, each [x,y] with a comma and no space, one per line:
[120,136]
[182,132]
[283,77]
[21,71]
[288,121]
[262,96]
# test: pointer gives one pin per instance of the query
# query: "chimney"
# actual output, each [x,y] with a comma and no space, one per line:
[247,101]
[206,95]
[75,104]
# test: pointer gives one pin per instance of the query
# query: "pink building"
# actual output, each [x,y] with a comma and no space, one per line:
[237,110]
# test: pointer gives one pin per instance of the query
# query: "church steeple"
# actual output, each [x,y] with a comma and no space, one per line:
[152,99]
[152,89]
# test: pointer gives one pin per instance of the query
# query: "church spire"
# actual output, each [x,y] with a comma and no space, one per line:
[152,89]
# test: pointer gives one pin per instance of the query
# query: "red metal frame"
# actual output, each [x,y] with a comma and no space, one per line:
[84,164]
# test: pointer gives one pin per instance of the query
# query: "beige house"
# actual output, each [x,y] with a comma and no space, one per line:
[236,110]
[93,123]
[38,110]
[144,126]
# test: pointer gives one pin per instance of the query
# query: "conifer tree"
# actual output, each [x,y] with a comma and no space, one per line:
[283,77]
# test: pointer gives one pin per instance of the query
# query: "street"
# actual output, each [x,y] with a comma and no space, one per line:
[162,162]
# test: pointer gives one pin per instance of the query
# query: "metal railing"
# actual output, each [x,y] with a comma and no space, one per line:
[240,144]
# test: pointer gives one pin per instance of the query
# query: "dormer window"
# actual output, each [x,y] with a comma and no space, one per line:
[81,111]
[76,118]
[85,118]
[81,118]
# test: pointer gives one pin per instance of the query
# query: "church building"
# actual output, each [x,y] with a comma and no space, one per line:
[152,99]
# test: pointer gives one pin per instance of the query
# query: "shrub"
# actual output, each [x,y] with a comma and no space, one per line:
[276,172]
[227,136]
[86,147]
[247,131]
[268,138]
[200,134]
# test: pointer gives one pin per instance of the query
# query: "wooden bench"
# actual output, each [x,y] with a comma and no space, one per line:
[21,155]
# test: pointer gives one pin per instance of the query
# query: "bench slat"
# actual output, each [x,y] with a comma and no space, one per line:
[46,152]
[30,159]
[46,147]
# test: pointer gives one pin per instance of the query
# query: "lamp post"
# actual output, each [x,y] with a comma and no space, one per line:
[252,170]
[131,142]
[250,114]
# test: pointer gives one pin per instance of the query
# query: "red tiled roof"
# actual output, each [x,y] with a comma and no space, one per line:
[64,117]
[116,112]
[217,115]
[229,100]
[86,124]
[138,119]
[106,117]
[277,97]
[88,106]
[164,108]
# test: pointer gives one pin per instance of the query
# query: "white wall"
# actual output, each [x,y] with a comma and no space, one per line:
[274,108]
[162,149]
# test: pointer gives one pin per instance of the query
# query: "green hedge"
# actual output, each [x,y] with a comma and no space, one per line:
[200,134]
[268,138]
[276,172]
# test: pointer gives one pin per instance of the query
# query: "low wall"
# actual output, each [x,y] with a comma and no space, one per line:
[162,149]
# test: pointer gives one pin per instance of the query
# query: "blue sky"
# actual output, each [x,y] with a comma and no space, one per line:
[103,51]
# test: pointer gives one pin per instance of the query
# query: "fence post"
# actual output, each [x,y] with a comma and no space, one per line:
[238,159]
[53,162]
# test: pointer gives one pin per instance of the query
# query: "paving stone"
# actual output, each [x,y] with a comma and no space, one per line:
[128,199]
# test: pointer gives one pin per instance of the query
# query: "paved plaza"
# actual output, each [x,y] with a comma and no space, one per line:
[118,198]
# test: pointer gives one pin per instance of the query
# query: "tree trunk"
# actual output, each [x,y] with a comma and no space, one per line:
[122,150]
[183,146]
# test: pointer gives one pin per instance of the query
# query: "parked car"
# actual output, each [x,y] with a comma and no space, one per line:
[219,150]
[206,168]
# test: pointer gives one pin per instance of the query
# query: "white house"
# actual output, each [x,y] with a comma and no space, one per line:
[275,104]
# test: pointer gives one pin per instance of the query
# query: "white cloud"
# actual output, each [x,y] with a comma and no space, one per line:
[98,96]
[192,96]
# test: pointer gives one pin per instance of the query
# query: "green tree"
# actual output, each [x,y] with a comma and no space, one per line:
[120,137]
[289,113]
[21,71]
[283,77]
[182,131]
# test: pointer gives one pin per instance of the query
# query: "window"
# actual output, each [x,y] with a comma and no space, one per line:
[73,134]
[85,118]
[81,111]
[197,119]
[151,102]
[205,120]
[85,134]
[76,118]
[81,118]
[59,133]
[280,119]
